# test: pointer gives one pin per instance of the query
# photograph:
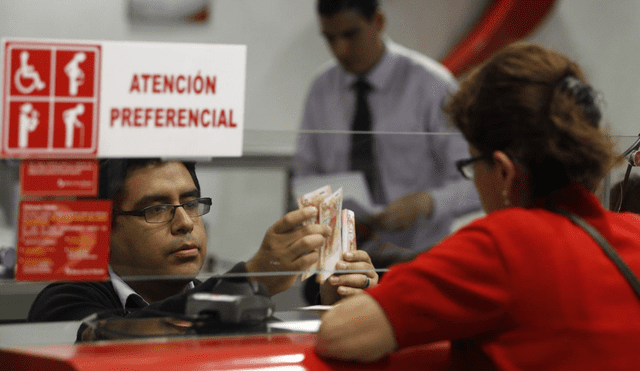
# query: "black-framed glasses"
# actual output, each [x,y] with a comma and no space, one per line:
[466,166]
[165,212]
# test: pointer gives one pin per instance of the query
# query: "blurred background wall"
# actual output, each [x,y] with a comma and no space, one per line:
[284,46]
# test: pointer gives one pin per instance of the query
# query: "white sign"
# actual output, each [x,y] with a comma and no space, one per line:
[122,99]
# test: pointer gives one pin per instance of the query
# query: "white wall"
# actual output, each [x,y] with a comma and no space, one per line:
[284,46]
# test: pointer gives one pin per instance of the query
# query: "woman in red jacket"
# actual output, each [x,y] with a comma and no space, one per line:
[523,287]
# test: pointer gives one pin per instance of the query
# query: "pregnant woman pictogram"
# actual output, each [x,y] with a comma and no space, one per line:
[75,73]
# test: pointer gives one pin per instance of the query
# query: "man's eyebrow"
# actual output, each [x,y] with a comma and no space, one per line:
[195,193]
[349,32]
[164,199]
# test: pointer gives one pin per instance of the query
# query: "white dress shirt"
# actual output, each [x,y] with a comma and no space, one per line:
[415,143]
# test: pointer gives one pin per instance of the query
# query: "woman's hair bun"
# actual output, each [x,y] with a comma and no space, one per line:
[584,95]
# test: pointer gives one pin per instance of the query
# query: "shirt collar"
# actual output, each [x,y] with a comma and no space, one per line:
[124,291]
[379,74]
[122,288]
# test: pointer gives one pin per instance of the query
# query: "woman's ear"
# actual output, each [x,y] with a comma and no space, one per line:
[505,171]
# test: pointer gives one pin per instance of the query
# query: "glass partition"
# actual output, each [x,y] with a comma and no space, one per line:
[248,196]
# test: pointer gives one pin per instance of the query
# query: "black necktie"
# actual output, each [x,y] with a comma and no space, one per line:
[361,156]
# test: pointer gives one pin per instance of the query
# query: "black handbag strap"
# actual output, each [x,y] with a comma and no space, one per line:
[604,244]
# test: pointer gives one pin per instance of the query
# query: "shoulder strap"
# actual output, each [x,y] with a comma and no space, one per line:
[604,244]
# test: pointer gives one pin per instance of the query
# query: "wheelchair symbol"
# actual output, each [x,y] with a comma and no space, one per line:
[27,72]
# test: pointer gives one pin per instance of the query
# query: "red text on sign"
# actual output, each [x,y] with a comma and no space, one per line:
[167,84]
[170,117]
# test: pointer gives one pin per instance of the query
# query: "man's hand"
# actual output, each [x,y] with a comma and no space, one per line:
[339,286]
[404,211]
[288,246]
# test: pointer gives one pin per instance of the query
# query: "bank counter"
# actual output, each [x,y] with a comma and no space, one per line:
[284,343]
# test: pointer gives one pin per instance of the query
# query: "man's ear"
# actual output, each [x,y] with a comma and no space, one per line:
[380,19]
[505,170]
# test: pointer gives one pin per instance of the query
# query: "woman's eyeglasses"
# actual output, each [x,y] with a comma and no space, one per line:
[466,166]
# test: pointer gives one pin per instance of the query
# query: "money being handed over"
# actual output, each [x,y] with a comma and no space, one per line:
[342,224]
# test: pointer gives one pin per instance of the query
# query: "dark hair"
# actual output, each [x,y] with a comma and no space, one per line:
[328,8]
[114,171]
[535,105]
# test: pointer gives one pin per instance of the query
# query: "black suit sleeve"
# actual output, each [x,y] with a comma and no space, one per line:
[75,301]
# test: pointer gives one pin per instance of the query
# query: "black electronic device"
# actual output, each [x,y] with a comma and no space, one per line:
[231,302]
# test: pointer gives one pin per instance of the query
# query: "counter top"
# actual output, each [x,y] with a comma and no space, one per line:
[50,346]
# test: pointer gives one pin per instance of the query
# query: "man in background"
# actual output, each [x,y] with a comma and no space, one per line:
[391,89]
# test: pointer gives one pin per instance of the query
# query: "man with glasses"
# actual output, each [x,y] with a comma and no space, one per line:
[157,230]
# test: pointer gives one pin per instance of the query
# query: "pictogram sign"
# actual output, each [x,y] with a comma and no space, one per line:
[50,100]
[87,99]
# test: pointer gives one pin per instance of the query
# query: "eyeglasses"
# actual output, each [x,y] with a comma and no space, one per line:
[466,167]
[165,212]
